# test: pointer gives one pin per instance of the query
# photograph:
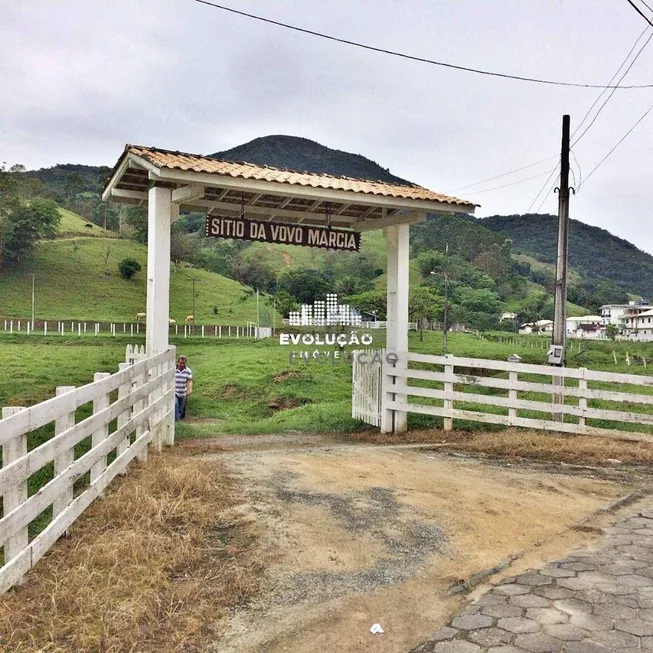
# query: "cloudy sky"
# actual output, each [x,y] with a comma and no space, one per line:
[80,78]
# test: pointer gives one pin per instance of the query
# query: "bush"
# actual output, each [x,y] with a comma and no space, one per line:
[128,267]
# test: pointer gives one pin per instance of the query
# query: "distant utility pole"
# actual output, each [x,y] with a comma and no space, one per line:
[258,315]
[33,302]
[193,280]
[560,305]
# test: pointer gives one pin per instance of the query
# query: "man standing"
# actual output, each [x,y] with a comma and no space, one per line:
[183,387]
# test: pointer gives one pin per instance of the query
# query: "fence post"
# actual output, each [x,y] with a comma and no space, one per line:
[136,408]
[448,391]
[45,328]
[512,395]
[582,401]
[219,332]
[167,387]
[123,418]
[13,450]
[79,328]
[100,403]
[202,330]
[11,326]
[65,458]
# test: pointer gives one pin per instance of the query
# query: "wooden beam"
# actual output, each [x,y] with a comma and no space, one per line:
[289,217]
[188,193]
[121,193]
[389,221]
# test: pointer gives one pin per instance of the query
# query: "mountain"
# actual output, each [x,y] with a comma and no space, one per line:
[593,252]
[304,155]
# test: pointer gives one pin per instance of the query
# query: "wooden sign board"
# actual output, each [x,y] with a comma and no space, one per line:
[286,234]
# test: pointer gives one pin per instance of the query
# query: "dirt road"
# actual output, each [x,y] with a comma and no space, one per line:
[355,535]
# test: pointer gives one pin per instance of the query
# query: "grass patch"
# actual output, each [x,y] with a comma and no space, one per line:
[153,567]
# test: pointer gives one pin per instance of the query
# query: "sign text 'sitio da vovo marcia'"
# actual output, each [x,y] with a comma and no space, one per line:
[287,234]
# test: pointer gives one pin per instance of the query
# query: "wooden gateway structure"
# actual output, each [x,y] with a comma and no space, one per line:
[167,182]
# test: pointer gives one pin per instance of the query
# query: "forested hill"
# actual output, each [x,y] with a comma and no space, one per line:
[593,252]
[304,155]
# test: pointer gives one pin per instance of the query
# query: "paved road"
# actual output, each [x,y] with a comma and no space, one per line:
[589,602]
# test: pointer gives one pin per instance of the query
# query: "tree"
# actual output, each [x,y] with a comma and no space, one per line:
[611,331]
[136,217]
[128,267]
[253,271]
[182,247]
[305,285]
[23,224]
[74,185]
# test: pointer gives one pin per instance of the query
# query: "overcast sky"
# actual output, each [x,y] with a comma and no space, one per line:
[80,78]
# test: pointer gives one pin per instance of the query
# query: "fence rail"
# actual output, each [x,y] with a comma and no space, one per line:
[515,394]
[129,410]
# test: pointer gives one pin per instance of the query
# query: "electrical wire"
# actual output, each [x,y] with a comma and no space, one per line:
[519,181]
[639,11]
[623,138]
[614,76]
[403,55]
[546,183]
[580,171]
[546,195]
[505,174]
[632,63]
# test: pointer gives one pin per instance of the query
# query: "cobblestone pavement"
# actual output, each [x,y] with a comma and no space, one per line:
[589,602]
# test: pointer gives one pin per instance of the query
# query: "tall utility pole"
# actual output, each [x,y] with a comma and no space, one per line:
[33,302]
[560,305]
[445,321]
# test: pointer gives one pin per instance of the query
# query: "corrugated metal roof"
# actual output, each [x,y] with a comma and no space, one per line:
[204,164]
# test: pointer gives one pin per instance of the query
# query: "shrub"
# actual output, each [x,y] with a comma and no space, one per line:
[128,267]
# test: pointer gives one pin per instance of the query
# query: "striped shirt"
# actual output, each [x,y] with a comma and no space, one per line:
[182,377]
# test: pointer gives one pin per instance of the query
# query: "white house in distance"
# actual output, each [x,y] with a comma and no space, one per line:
[613,314]
[541,326]
[587,326]
[639,325]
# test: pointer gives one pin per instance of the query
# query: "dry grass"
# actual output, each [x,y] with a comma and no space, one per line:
[153,567]
[513,444]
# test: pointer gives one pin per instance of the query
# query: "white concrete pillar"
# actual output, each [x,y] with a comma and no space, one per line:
[397,325]
[158,268]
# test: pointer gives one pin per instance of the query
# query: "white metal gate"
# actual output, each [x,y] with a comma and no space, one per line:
[367,385]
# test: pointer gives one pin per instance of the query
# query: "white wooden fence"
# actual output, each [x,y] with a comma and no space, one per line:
[514,394]
[366,386]
[77,328]
[130,409]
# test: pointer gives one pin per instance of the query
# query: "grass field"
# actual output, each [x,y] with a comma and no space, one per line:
[251,387]
[71,283]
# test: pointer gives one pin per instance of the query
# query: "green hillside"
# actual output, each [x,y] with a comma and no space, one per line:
[72,282]
[594,253]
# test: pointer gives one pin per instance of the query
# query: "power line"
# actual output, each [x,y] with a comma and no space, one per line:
[632,63]
[639,11]
[519,181]
[580,124]
[623,138]
[546,183]
[505,174]
[533,80]
[600,95]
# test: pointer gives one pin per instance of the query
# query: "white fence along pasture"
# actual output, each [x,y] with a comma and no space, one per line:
[130,409]
[78,328]
[560,399]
